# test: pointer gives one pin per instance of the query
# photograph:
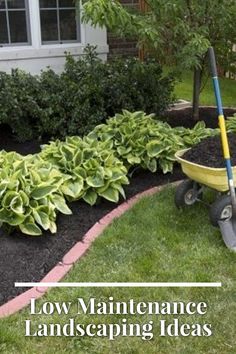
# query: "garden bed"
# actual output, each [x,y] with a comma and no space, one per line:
[30,258]
[178,117]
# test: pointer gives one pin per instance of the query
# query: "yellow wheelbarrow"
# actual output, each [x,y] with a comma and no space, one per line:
[223,210]
[199,177]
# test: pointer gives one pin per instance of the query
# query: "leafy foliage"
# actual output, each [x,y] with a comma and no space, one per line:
[86,93]
[93,168]
[30,195]
[231,124]
[138,139]
[19,107]
[178,32]
[183,29]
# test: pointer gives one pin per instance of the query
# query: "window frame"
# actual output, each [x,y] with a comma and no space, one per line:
[77,22]
[28,26]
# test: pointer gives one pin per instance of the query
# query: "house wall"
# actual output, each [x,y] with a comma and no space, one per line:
[35,57]
[122,47]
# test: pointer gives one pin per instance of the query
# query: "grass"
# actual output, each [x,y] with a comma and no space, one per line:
[160,244]
[183,90]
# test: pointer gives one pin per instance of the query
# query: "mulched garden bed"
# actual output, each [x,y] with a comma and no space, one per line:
[209,152]
[178,117]
[26,258]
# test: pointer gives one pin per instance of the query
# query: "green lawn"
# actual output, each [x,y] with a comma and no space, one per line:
[184,89]
[158,245]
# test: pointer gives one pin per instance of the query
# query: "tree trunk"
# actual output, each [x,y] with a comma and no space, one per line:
[197,80]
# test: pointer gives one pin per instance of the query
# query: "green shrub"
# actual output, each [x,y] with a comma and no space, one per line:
[84,95]
[93,168]
[30,193]
[19,106]
[137,86]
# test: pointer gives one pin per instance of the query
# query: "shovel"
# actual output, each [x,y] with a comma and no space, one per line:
[227,227]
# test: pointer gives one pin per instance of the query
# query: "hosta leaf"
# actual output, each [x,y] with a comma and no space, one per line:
[116,174]
[24,198]
[154,148]
[152,165]
[42,191]
[95,181]
[16,205]
[60,204]
[11,218]
[122,151]
[35,177]
[41,218]
[68,152]
[3,187]
[110,194]
[166,166]
[119,188]
[73,188]
[90,197]
[30,229]
[9,196]
[53,227]
[133,160]
[78,158]
[80,171]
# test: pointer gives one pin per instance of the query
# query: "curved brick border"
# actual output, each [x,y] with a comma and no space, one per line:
[75,253]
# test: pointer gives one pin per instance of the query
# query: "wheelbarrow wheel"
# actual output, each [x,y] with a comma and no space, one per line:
[221,209]
[187,193]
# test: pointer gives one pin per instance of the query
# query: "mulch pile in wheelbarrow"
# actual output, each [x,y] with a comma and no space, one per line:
[209,152]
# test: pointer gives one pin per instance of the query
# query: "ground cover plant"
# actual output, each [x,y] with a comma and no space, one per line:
[93,169]
[89,168]
[158,245]
[139,139]
[30,195]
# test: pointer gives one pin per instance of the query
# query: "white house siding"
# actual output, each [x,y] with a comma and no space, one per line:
[37,56]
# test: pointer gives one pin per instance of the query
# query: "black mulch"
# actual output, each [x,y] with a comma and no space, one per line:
[207,114]
[27,258]
[209,152]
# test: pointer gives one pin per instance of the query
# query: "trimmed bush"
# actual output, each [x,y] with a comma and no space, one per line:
[86,93]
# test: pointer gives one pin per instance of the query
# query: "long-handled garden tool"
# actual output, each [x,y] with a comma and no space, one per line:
[228,226]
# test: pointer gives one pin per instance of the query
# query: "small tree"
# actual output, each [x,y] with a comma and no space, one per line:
[178,31]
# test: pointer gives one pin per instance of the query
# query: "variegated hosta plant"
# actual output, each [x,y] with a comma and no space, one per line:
[30,195]
[93,168]
[138,139]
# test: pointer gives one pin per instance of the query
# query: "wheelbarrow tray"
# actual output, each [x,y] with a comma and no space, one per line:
[215,178]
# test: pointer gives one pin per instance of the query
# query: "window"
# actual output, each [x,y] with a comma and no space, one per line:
[59,23]
[14,22]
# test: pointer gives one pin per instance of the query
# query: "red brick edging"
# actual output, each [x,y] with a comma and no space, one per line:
[75,253]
